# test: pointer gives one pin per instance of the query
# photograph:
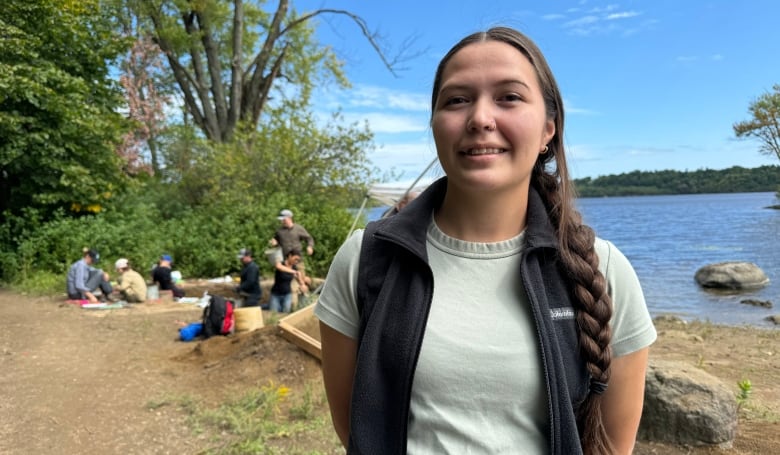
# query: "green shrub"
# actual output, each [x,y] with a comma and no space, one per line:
[203,240]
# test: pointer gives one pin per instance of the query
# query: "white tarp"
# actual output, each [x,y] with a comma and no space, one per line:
[392,192]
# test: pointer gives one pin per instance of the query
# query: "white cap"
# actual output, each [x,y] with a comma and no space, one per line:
[121,263]
[285,214]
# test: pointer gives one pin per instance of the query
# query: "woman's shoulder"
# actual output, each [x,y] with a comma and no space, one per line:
[609,255]
[604,246]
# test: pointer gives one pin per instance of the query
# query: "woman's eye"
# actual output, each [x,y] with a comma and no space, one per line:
[510,97]
[455,100]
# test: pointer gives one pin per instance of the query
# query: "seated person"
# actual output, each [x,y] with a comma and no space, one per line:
[162,276]
[83,280]
[131,286]
[249,288]
[286,271]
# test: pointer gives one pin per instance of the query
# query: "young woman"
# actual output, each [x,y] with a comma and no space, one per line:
[281,291]
[485,317]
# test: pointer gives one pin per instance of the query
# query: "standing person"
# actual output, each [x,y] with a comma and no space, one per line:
[486,317]
[83,280]
[291,236]
[286,271]
[131,286]
[249,286]
[162,276]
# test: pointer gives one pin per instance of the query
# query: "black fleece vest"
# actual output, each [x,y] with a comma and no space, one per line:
[395,289]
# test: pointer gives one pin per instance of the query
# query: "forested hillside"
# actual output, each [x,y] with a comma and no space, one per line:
[732,180]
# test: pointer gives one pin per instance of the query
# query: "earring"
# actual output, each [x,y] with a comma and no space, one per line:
[546,149]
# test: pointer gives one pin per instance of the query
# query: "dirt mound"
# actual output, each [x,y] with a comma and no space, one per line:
[257,357]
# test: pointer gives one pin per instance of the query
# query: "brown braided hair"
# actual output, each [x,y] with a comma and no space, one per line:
[550,177]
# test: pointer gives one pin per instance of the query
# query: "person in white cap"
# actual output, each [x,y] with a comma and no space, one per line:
[131,286]
[291,237]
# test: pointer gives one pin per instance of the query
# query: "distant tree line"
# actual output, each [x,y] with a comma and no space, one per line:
[735,179]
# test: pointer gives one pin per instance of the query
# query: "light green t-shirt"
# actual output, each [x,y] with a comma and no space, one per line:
[479,386]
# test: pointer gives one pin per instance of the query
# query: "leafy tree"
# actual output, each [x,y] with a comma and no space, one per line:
[329,162]
[146,104]
[765,122]
[58,120]
[227,55]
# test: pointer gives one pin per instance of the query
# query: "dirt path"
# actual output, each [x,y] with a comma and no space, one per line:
[76,381]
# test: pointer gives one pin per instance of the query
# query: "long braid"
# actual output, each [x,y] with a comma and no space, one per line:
[593,306]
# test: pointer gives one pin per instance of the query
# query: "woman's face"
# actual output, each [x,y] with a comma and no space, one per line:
[489,122]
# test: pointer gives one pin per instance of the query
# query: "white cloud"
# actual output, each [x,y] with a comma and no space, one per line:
[410,158]
[600,20]
[696,58]
[586,20]
[570,108]
[605,9]
[383,122]
[624,15]
[581,152]
[372,96]
[642,152]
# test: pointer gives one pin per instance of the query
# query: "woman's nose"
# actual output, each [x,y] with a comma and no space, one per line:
[481,118]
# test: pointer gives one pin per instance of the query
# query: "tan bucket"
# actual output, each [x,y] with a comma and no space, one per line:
[248,318]
[152,292]
[274,255]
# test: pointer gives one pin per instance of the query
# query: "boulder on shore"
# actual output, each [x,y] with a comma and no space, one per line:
[774,318]
[733,275]
[685,405]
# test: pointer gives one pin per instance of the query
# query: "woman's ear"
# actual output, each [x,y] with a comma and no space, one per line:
[549,131]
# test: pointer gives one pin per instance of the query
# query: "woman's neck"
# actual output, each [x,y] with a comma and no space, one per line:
[482,217]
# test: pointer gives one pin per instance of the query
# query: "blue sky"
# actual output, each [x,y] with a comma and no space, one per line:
[647,85]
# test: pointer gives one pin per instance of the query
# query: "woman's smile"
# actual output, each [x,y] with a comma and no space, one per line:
[483,151]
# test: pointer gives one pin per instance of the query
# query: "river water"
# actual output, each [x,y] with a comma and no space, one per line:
[668,238]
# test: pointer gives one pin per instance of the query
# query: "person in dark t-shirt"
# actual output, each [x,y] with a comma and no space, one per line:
[162,276]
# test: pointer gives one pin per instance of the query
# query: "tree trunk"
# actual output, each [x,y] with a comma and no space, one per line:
[218,105]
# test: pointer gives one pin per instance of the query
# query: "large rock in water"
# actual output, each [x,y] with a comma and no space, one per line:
[685,405]
[731,275]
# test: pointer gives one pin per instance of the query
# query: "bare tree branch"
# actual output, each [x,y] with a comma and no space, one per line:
[183,77]
[266,87]
[236,72]
[361,23]
[210,116]
[217,101]
[214,66]
[255,70]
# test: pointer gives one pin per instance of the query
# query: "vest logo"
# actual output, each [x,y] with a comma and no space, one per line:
[558,314]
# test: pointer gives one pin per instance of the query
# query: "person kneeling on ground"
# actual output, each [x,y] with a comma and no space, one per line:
[162,276]
[249,288]
[83,280]
[131,285]
[281,292]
